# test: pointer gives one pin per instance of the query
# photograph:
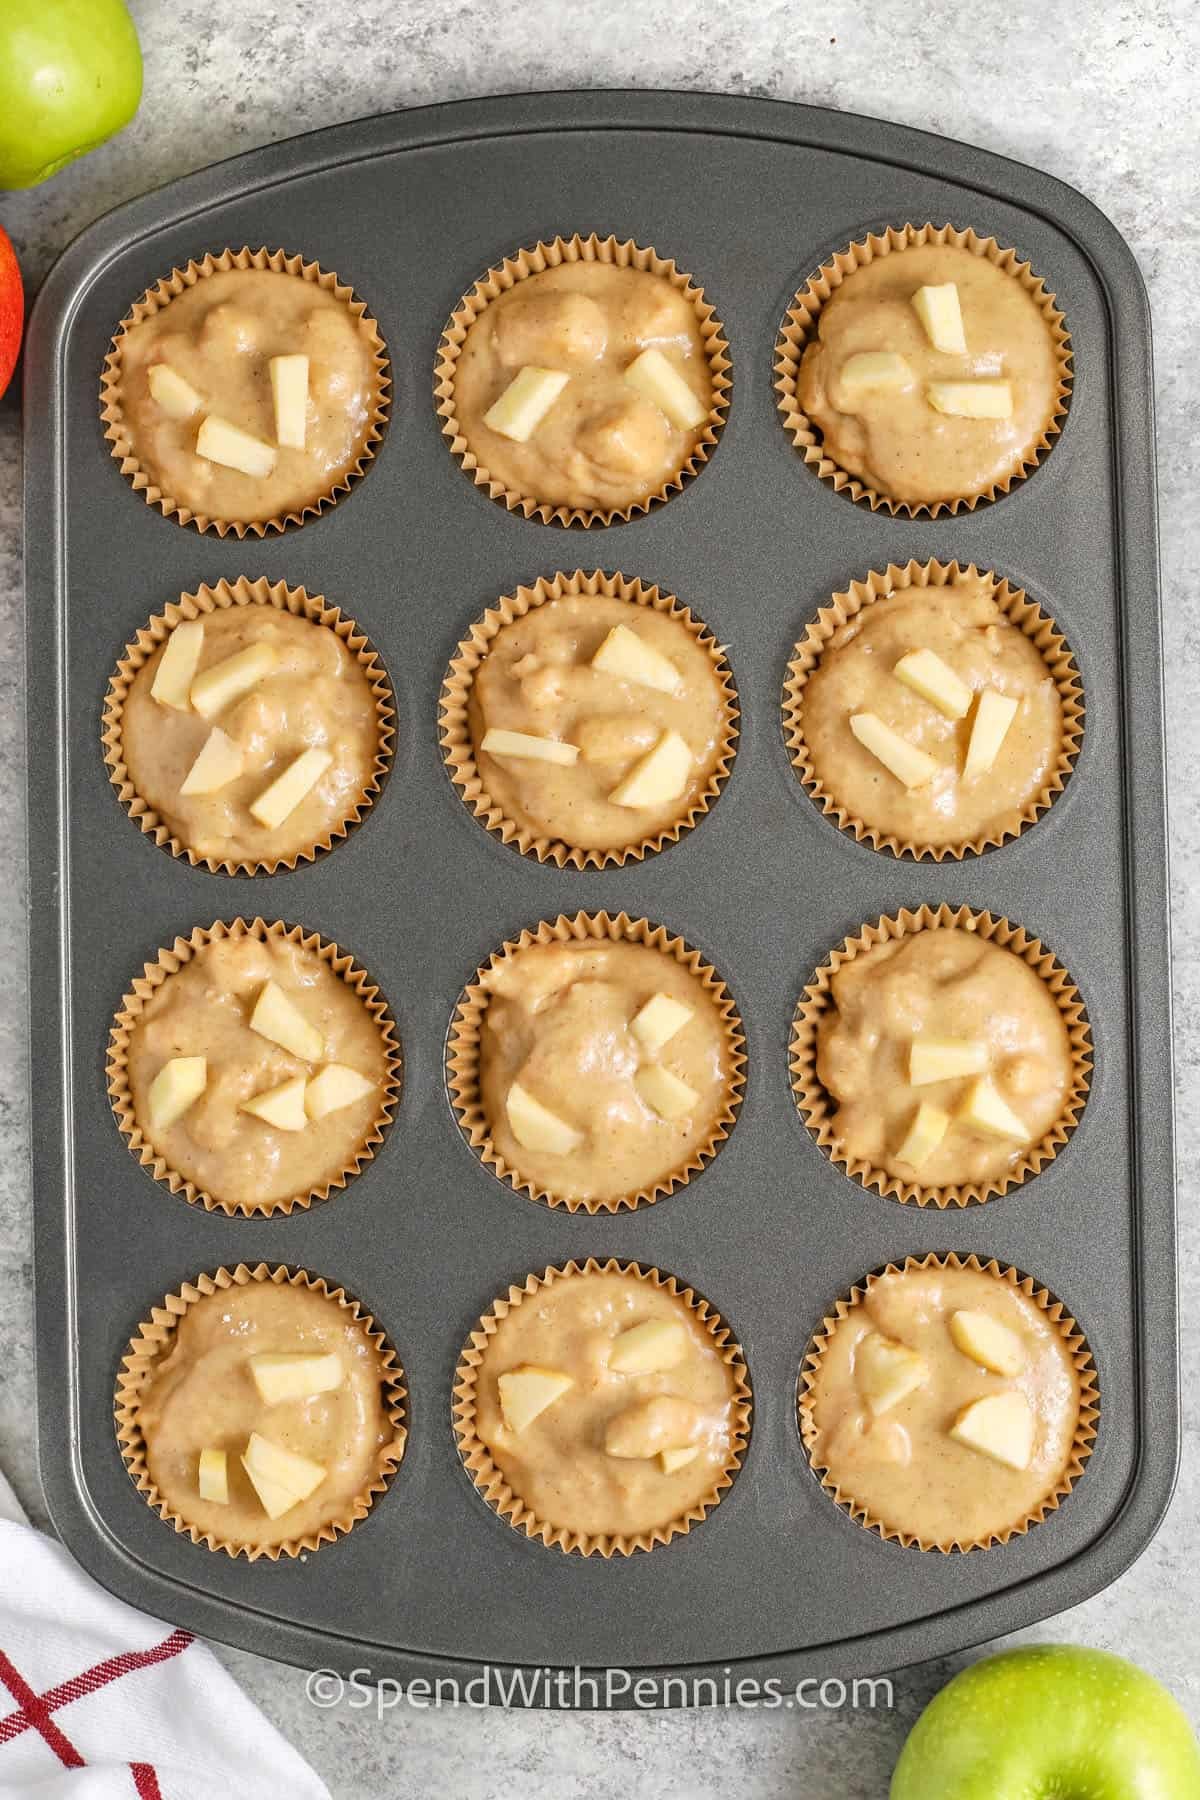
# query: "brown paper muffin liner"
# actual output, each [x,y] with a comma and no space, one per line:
[155,1336]
[623,254]
[1024,613]
[112,411]
[152,978]
[459,751]
[1073,1338]
[799,329]
[815,1105]
[204,601]
[466,1031]
[487,1477]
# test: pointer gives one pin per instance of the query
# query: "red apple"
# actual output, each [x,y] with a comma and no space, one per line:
[12,309]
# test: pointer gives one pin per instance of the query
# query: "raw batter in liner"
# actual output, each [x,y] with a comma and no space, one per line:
[537,679]
[893,439]
[316,697]
[203,1396]
[203,1009]
[220,335]
[943,984]
[601,445]
[903,1466]
[558,1023]
[962,624]
[558,1464]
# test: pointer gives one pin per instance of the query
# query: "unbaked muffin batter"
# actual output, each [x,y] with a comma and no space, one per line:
[559,1024]
[938,987]
[601,445]
[901,1463]
[203,1010]
[560,1464]
[891,437]
[220,335]
[537,679]
[316,696]
[962,624]
[203,1395]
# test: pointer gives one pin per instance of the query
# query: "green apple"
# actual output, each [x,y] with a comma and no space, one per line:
[1050,1722]
[70,76]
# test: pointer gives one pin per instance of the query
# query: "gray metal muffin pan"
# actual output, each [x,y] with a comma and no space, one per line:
[748,196]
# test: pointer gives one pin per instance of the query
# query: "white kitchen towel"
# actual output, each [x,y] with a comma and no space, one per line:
[99,1702]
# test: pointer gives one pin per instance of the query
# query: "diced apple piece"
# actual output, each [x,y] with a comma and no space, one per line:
[887,1371]
[525,402]
[523,744]
[275,1500]
[296,1474]
[176,669]
[871,371]
[986,1109]
[527,1391]
[992,1345]
[220,442]
[935,681]
[658,380]
[227,681]
[971,399]
[281,1106]
[945,1059]
[657,1022]
[660,1422]
[625,655]
[535,1127]
[289,390]
[213,1476]
[178,1084]
[926,1132]
[670,1460]
[1002,1426]
[989,728]
[941,315]
[335,1086]
[287,790]
[295,1375]
[665,1093]
[220,761]
[281,1022]
[649,1348]
[660,775]
[912,767]
[177,397]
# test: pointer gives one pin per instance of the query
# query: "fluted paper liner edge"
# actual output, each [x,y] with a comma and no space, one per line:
[168,961]
[458,750]
[491,1483]
[1086,1426]
[816,1107]
[466,1030]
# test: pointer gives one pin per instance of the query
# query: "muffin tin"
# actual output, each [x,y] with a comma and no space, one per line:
[749,197]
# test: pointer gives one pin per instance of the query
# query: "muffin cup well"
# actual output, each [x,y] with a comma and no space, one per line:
[466,1031]
[551,254]
[459,751]
[487,1477]
[800,327]
[152,978]
[155,1335]
[814,1103]
[1022,612]
[112,412]
[205,601]
[1072,1336]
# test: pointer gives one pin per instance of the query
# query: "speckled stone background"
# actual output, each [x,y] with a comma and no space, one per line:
[1100,94]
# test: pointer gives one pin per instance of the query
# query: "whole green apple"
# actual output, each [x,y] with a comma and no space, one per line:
[1050,1722]
[70,76]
